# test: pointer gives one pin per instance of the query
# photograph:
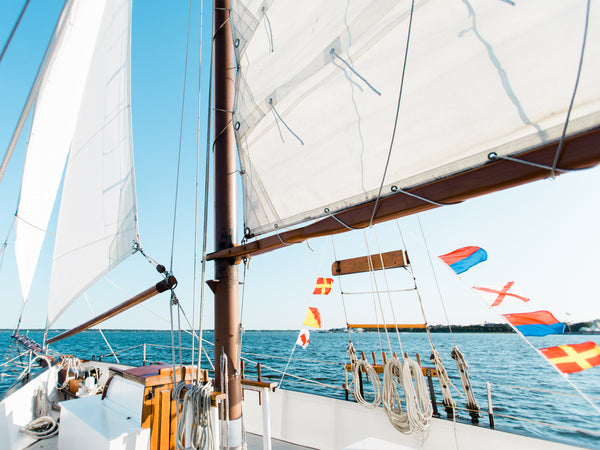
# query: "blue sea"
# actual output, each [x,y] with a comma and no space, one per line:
[529,397]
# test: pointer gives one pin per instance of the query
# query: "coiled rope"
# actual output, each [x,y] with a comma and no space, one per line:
[43,425]
[367,368]
[418,412]
[197,400]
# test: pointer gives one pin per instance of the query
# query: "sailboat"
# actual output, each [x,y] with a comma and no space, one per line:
[343,116]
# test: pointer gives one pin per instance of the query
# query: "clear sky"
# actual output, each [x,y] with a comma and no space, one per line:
[544,235]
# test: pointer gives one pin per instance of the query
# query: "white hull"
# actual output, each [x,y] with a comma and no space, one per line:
[16,410]
[303,419]
[327,423]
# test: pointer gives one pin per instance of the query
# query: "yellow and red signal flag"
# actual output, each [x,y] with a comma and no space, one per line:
[313,318]
[323,286]
[574,357]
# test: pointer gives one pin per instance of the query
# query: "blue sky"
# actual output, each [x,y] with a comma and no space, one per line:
[543,235]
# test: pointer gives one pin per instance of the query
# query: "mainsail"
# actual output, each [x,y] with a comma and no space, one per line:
[52,129]
[314,127]
[83,112]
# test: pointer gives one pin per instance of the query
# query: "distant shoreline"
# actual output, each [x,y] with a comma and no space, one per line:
[574,328]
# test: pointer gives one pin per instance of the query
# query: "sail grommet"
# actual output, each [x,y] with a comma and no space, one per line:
[394,188]
[237,126]
[275,226]
[326,210]
[493,156]
[236,44]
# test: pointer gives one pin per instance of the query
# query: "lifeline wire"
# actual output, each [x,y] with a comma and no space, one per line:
[412,10]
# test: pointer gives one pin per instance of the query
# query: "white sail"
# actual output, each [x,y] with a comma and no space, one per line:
[97,223]
[481,76]
[52,129]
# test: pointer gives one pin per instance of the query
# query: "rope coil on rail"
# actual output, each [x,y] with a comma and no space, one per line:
[360,364]
[419,411]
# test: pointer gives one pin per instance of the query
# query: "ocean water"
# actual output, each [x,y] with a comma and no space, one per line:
[529,397]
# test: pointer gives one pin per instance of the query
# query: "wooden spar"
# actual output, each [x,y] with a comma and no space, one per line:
[580,151]
[226,288]
[161,286]
[397,258]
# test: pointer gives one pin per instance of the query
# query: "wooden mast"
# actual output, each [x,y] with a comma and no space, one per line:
[225,285]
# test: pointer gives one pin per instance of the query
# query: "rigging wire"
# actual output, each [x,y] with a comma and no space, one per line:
[296,341]
[412,10]
[205,219]
[101,333]
[197,185]
[437,284]
[187,47]
[48,54]
[174,300]
[377,296]
[564,133]
[14,29]
[339,282]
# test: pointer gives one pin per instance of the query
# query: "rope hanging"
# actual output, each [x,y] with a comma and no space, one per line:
[358,365]
[445,382]
[463,369]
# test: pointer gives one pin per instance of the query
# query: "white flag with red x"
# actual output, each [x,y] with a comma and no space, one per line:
[498,294]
